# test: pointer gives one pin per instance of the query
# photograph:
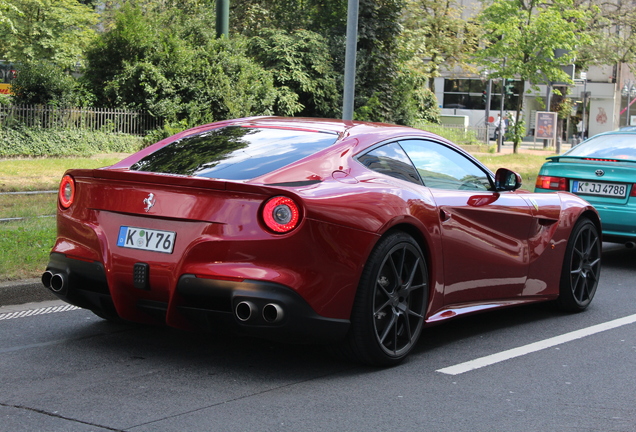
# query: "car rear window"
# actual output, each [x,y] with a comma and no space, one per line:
[613,146]
[235,152]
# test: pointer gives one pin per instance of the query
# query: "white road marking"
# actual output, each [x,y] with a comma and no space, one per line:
[536,346]
[40,311]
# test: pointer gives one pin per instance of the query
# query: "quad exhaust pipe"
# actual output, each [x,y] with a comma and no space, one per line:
[630,245]
[272,313]
[246,311]
[56,282]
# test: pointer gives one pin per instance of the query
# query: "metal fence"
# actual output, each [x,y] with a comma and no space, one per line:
[460,134]
[103,119]
[476,132]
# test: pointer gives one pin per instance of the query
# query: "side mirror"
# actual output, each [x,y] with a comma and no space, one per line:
[506,180]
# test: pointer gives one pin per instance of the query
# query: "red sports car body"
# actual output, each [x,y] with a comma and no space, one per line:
[324,230]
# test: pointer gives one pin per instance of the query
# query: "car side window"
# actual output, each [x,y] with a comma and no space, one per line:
[441,167]
[391,160]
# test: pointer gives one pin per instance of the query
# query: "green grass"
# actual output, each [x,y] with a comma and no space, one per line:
[25,247]
[22,206]
[526,164]
[25,244]
[45,173]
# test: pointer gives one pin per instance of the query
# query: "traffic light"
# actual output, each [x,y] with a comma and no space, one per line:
[509,87]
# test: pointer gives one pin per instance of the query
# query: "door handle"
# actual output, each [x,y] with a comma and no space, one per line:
[443,215]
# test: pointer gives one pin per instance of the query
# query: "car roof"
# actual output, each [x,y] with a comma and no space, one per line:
[323,124]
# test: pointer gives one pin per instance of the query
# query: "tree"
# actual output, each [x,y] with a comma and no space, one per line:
[250,17]
[44,83]
[438,36]
[522,39]
[8,10]
[169,64]
[377,72]
[612,34]
[300,61]
[54,30]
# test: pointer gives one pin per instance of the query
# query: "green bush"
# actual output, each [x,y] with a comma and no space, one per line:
[36,142]
[300,61]
[169,65]
[44,83]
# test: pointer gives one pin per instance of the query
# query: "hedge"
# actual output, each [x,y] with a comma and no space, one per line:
[38,142]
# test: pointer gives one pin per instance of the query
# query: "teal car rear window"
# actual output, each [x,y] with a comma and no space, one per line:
[235,152]
[611,146]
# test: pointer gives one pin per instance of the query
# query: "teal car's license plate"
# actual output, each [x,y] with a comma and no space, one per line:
[146,239]
[599,188]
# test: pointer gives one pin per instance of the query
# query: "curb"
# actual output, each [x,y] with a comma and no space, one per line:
[24,291]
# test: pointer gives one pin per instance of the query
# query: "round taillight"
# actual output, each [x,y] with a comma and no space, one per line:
[67,191]
[281,214]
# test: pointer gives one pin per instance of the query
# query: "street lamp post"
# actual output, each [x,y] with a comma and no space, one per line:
[484,76]
[629,91]
[586,95]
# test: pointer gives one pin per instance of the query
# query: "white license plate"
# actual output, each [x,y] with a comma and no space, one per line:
[146,239]
[598,188]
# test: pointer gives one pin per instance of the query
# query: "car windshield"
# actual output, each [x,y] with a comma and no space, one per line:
[235,152]
[611,146]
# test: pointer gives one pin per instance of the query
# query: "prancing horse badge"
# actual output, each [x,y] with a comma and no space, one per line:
[149,202]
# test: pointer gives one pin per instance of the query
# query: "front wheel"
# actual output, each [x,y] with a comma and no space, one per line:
[388,313]
[581,267]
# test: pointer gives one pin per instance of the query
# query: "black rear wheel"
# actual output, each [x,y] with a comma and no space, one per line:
[581,267]
[388,312]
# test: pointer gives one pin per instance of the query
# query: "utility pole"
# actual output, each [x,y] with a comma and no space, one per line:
[350,60]
[222,18]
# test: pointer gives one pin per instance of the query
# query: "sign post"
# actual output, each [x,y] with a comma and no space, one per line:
[545,126]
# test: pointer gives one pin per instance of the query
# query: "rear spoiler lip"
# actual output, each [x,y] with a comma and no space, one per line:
[590,159]
[126,175]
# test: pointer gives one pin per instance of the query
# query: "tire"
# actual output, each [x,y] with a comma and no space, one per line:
[388,312]
[581,267]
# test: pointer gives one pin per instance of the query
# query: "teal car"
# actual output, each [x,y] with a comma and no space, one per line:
[602,170]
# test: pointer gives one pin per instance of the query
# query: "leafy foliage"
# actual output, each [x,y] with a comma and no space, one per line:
[612,34]
[180,72]
[6,11]
[523,41]
[438,36]
[377,68]
[44,83]
[23,141]
[36,30]
[390,84]
[252,17]
[528,34]
[301,62]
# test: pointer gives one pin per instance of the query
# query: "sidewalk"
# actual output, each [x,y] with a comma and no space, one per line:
[531,147]
[24,291]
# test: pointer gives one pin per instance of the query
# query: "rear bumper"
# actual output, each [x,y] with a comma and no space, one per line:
[256,308]
[618,222]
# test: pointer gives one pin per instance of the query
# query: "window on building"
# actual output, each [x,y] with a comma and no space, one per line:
[471,94]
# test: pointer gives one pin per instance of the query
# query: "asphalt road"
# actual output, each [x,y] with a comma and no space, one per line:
[63,369]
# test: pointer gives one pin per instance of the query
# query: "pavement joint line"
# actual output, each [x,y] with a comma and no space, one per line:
[29,192]
[536,346]
[12,219]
